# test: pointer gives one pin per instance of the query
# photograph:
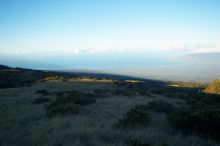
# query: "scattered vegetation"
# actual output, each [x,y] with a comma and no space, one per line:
[201,114]
[140,116]
[157,123]
[40,100]
[201,122]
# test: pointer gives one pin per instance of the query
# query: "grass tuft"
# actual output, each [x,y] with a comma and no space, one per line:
[54,109]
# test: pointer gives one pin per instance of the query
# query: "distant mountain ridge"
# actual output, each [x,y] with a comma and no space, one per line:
[4,67]
[204,56]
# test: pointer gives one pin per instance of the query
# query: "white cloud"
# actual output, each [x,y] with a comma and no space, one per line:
[159,49]
[189,48]
[91,50]
[71,52]
[208,48]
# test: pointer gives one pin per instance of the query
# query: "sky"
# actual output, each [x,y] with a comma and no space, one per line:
[106,34]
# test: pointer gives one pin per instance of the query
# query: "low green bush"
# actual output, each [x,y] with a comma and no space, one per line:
[137,116]
[42,92]
[40,100]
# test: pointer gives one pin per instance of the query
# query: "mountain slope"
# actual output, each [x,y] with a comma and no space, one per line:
[19,77]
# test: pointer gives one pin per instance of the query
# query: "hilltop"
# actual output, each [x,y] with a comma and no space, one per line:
[213,87]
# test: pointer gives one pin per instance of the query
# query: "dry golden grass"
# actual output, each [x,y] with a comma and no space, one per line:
[213,87]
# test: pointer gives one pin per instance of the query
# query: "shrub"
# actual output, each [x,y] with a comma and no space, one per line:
[42,92]
[76,97]
[63,93]
[157,91]
[203,122]
[163,143]
[40,100]
[144,92]
[54,109]
[123,92]
[137,116]
[180,119]
[160,106]
[137,142]
[102,92]
[55,79]
[82,100]
[68,102]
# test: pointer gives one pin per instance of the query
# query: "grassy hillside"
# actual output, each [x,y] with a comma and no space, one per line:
[86,111]
[20,77]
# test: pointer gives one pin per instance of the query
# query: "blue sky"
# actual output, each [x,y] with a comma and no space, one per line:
[102,34]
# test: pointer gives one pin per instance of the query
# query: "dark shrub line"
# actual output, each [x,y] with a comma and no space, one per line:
[140,116]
